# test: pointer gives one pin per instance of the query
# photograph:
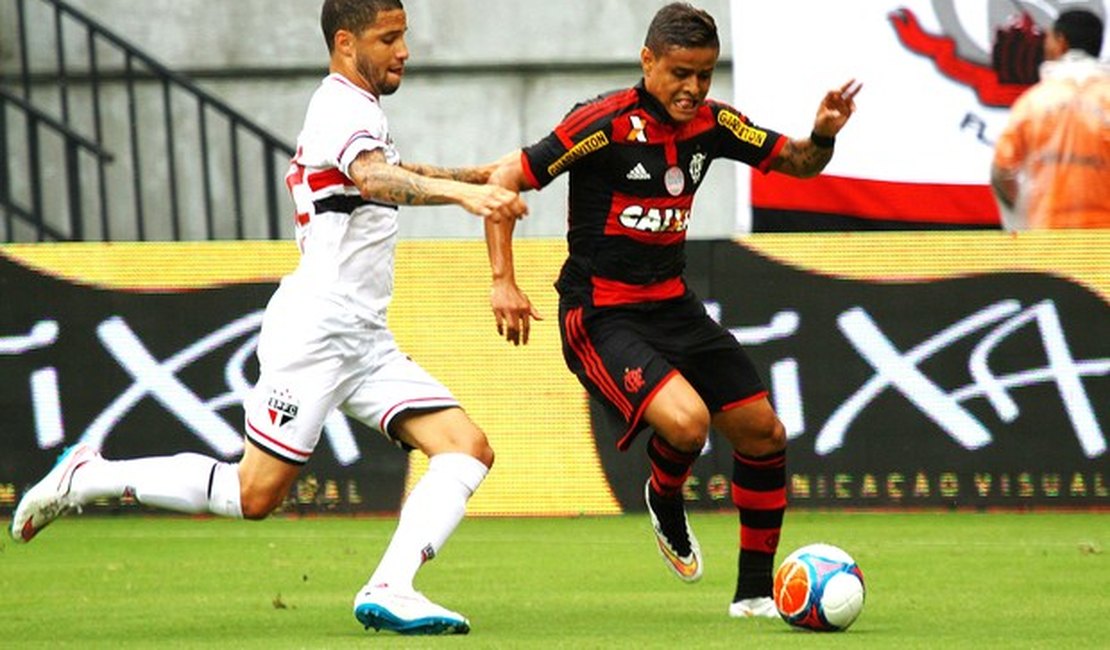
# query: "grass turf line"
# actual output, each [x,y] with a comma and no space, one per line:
[949,580]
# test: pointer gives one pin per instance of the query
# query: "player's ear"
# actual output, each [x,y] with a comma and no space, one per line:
[344,42]
[647,59]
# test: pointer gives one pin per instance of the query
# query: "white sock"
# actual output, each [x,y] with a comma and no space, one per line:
[189,483]
[431,512]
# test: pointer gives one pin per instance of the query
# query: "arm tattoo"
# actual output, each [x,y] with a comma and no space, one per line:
[475,175]
[802,158]
[380,181]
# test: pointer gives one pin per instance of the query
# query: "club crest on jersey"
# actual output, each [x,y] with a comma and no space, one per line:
[636,129]
[281,407]
[697,166]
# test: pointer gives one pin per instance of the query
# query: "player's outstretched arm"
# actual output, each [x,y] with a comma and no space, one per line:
[512,309]
[808,157]
[478,174]
[378,180]
[474,175]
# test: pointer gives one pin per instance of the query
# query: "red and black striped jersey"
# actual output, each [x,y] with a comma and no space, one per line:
[633,175]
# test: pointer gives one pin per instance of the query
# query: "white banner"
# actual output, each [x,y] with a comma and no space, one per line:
[927,117]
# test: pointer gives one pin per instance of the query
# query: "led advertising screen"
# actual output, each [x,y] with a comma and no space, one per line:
[910,370]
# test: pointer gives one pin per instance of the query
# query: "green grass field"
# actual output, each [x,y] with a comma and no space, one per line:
[941,580]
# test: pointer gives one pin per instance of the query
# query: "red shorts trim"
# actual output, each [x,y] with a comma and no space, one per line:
[744,402]
[634,422]
[584,349]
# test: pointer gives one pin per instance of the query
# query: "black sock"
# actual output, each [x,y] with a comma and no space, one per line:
[669,467]
[755,578]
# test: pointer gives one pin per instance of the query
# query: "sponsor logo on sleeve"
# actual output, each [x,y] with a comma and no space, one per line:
[743,132]
[590,144]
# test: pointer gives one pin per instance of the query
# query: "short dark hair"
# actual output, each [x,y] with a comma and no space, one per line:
[1082,29]
[351,15]
[680,24]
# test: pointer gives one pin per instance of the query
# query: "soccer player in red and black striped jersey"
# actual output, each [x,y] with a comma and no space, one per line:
[635,335]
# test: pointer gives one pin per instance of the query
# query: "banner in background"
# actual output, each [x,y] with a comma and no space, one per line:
[917,152]
[923,370]
[148,349]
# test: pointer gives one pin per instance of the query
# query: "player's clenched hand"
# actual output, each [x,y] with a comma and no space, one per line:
[493,202]
[513,311]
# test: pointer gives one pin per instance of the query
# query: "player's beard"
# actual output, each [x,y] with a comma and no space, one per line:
[377,78]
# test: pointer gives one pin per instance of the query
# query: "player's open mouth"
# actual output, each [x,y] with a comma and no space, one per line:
[686,104]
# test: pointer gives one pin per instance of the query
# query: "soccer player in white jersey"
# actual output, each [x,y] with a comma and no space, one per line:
[324,341]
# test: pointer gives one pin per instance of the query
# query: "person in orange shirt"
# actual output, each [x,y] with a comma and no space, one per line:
[1051,166]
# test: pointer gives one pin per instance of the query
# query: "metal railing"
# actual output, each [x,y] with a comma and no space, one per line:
[74,145]
[142,152]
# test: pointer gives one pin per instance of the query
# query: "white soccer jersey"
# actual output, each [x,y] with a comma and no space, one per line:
[347,242]
[324,342]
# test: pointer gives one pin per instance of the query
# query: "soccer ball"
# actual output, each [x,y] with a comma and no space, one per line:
[819,587]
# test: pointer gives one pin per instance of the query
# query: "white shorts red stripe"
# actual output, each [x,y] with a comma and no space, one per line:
[316,357]
[277,447]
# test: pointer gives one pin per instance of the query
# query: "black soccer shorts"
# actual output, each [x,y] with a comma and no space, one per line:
[623,356]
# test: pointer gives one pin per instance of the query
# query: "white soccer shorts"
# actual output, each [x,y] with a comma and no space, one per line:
[315,358]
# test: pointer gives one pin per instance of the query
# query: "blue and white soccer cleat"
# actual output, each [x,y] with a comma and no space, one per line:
[50,498]
[406,612]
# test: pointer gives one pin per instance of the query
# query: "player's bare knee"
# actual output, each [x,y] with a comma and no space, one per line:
[476,446]
[484,454]
[768,437]
[688,430]
[777,436]
[755,436]
[473,442]
[258,506]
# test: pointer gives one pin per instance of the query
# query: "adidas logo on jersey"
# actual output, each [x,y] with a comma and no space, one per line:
[638,173]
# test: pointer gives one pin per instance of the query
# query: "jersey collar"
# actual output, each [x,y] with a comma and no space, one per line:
[653,106]
[339,78]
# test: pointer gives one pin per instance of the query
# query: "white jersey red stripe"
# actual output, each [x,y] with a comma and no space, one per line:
[324,343]
[347,242]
